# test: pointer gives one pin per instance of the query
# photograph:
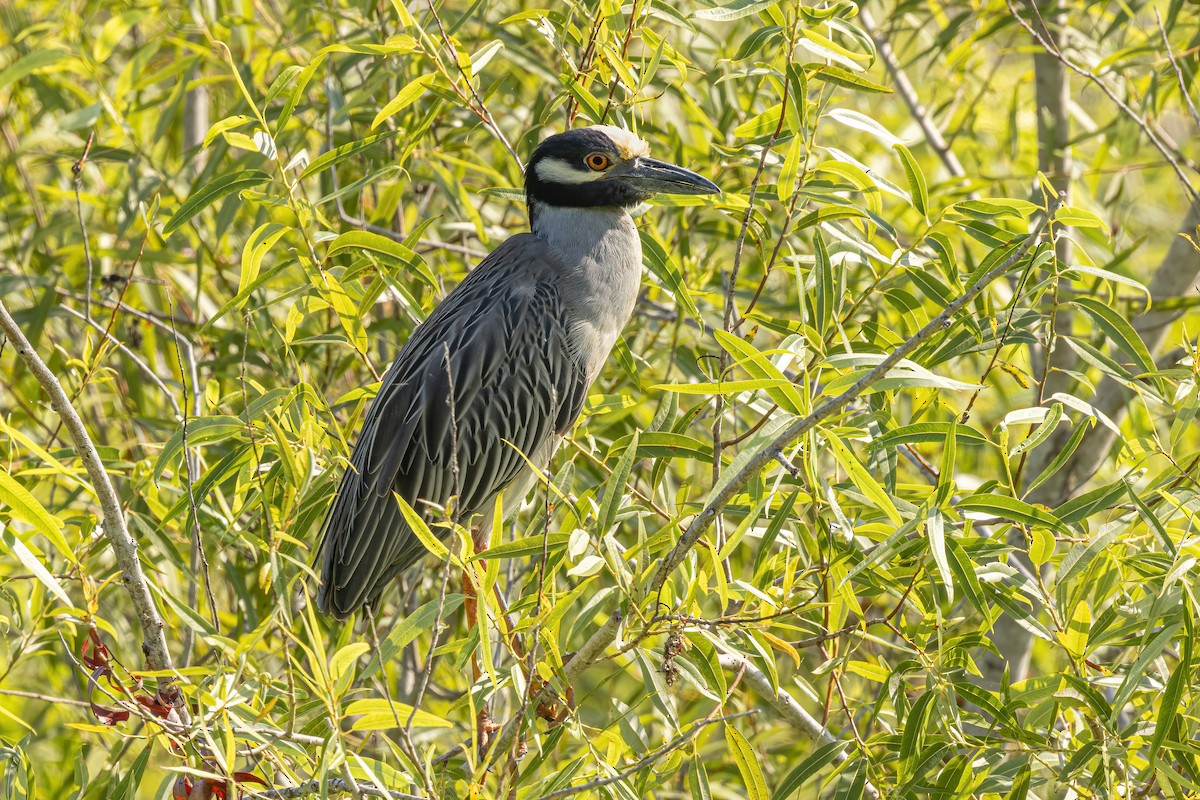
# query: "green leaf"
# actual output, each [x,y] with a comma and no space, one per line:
[1169,705]
[421,530]
[1020,784]
[1061,457]
[831,73]
[785,394]
[929,432]
[257,246]
[200,431]
[916,180]
[1041,549]
[1118,330]
[935,530]
[404,98]
[381,715]
[211,192]
[372,242]
[1042,432]
[862,479]
[114,31]
[343,660]
[721,387]
[408,629]
[1078,218]
[998,505]
[734,10]
[525,546]
[912,740]
[1148,653]
[222,125]
[24,506]
[663,267]
[32,563]
[341,153]
[806,769]
[26,65]
[747,763]
[828,214]
[825,297]
[614,488]
[1082,553]
[1075,638]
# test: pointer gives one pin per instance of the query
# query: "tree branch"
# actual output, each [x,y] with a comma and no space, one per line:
[788,709]
[904,87]
[154,643]
[830,407]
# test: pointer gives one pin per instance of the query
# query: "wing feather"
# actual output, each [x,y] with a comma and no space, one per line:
[500,340]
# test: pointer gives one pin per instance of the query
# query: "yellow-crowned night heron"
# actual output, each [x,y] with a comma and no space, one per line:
[499,371]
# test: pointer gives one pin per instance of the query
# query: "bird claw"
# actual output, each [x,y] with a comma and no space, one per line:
[550,710]
[485,726]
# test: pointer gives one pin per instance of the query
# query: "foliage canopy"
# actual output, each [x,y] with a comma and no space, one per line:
[788,564]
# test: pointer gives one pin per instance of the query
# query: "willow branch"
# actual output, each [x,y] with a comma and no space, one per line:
[788,709]
[584,657]
[909,95]
[335,786]
[769,454]
[154,642]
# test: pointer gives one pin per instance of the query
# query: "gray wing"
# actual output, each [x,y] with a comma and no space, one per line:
[499,340]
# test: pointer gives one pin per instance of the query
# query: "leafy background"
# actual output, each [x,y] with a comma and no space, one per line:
[219,222]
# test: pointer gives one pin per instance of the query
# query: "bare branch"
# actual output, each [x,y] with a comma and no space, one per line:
[154,643]
[1172,156]
[788,709]
[904,87]
[333,786]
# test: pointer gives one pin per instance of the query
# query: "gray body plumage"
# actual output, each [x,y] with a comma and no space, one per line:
[499,371]
[520,340]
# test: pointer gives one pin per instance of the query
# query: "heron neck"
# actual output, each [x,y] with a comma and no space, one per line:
[601,256]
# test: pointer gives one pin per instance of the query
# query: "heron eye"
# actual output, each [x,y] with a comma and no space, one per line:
[597,161]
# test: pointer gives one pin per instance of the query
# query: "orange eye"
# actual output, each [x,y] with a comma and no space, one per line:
[597,161]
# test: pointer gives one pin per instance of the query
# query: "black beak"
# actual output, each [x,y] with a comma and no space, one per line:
[658,177]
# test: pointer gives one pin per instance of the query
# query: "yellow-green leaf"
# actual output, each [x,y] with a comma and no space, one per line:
[25,507]
[379,714]
[747,764]
[404,98]
[211,192]
[862,479]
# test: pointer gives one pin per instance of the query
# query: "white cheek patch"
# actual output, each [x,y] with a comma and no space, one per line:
[555,170]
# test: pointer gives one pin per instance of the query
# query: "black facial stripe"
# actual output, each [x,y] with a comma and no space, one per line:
[583,195]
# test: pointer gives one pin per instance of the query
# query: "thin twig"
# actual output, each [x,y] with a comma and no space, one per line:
[1154,138]
[77,171]
[1183,87]
[191,469]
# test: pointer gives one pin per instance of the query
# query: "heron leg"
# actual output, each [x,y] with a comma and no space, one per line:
[484,724]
